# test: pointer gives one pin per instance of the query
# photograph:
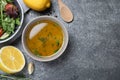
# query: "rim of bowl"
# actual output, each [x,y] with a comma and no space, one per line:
[19,27]
[55,55]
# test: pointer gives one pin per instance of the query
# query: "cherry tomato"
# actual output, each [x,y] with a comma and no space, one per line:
[1,32]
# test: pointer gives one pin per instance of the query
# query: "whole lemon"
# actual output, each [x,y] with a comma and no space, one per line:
[38,5]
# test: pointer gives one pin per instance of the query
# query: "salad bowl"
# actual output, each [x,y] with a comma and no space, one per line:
[18,28]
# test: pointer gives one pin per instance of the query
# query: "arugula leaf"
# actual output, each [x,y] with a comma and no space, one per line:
[1,11]
[9,1]
[3,3]
[8,25]
[17,21]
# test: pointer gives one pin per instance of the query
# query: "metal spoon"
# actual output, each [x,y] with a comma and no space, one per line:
[65,12]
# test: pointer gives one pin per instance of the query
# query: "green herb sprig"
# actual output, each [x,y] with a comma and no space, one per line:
[6,77]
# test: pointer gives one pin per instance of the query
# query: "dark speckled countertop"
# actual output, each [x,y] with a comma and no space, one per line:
[93,52]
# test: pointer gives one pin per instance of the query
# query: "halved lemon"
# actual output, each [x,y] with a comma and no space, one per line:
[11,59]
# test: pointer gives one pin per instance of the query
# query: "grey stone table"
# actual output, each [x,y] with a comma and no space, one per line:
[93,52]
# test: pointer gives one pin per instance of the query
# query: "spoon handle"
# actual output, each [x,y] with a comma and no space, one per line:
[60,3]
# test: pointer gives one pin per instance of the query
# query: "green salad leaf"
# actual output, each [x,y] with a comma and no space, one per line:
[9,1]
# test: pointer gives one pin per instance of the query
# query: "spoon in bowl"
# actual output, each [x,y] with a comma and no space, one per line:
[65,12]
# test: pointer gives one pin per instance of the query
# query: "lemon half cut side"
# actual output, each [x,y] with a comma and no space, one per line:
[11,59]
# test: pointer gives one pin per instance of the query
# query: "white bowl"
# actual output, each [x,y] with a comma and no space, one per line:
[46,58]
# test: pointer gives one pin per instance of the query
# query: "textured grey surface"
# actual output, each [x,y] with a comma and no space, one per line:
[93,52]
